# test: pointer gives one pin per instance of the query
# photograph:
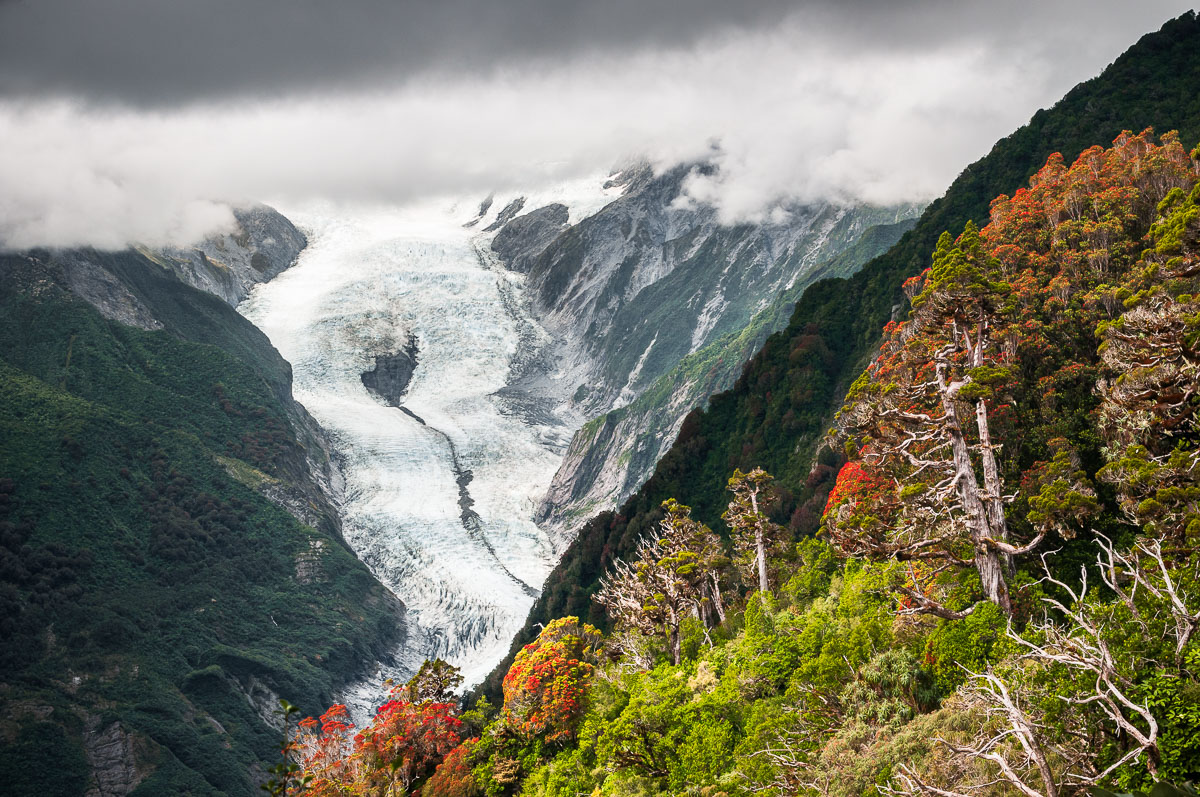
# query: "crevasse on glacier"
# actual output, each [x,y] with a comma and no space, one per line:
[441,491]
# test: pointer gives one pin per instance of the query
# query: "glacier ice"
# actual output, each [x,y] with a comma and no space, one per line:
[441,492]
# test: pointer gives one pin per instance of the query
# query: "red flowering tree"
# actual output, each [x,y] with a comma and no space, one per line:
[403,744]
[454,777]
[859,501]
[545,687]
[921,414]
[329,748]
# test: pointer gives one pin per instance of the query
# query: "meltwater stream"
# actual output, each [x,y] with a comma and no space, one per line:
[440,491]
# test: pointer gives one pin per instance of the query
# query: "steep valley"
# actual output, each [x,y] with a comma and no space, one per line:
[441,474]
[654,304]
[783,401]
[448,356]
[451,379]
[607,486]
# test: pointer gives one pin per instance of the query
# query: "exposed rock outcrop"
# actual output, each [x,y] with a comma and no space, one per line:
[110,753]
[506,214]
[263,244]
[106,293]
[519,241]
[390,376]
[484,207]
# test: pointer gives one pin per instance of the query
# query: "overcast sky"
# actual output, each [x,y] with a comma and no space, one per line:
[138,120]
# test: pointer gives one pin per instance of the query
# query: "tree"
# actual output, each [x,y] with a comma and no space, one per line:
[454,777]
[676,573]
[1151,393]
[1002,320]
[435,682]
[1074,689]
[330,755]
[403,743]
[545,687]
[684,539]
[753,533]
[910,412]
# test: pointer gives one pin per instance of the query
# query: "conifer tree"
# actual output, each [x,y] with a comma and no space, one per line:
[1000,323]
[435,682]
[753,532]
[921,418]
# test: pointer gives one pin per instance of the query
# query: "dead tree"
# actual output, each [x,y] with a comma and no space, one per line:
[1027,753]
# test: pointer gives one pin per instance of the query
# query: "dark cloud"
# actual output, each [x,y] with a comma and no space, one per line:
[169,52]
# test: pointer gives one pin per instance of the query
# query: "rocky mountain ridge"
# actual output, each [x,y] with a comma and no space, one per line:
[776,412]
[653,305]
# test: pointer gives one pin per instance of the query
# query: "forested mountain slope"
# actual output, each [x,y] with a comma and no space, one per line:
[777,412]
[170,560]
[616,452]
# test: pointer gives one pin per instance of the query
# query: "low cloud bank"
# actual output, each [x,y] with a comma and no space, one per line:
[789,114]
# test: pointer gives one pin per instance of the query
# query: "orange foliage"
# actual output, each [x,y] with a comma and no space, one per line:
[544,689]
[852,481]
[453,777]
[403,744]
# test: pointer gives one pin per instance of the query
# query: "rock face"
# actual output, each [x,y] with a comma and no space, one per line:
[227,266]
[110,753]
[263,244]
[506,214]
[654,297]
[392,372]
[613,455]
[484,207]
[105,292]
[520,240]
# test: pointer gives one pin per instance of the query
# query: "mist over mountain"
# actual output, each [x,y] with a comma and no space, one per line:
[873,102]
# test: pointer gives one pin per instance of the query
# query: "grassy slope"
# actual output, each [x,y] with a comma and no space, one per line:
[777,411]
[144,580]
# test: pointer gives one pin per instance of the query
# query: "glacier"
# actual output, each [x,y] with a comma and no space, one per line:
[439,492]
